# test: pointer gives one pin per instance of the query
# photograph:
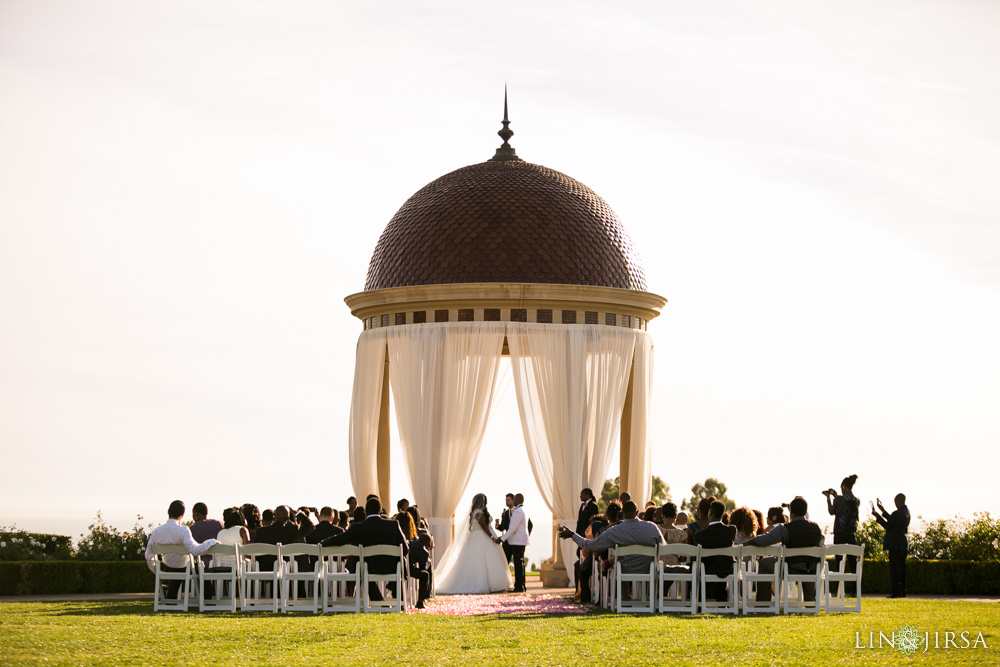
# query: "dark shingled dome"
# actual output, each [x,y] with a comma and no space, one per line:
[505,221]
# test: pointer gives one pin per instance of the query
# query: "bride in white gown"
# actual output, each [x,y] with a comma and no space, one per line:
[474,563]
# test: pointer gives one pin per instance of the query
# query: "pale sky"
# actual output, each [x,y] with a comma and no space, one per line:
[188,191]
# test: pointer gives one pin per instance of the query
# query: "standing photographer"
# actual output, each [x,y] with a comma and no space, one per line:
[844,509]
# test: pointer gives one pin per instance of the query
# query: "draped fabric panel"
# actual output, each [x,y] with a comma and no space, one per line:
[571,383]
[443,379]
[366,403]
[640,461]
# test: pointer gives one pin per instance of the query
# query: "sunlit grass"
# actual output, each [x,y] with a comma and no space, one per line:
[115,633]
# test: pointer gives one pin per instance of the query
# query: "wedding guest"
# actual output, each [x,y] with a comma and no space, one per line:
[775,515]
[369,532]
[418,520]
[402,504]
[234,532]
[701,516]
[352,505]
[631,530]
[649,514]
[203,528]
[359,516]
[844,509]
[896,526]
[761,527]
[672,534]
[799,532]
[421,521]
[716,535]
[624,497]
[326,527]
[281,531]
[418,558]
[267,518]
[745,522]
[174,532]
[251,514]
[681,520]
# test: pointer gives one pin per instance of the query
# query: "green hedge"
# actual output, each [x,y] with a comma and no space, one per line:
[940,577]
[936,577]
[71,576]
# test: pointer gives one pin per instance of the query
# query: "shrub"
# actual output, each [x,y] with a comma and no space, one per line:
[107,543]
[73,576]
[19,545]
[936,577]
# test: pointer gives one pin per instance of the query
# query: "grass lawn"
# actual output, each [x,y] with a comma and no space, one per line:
[127,633]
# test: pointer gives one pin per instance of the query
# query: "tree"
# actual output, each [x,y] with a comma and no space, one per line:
[711,487]
[661,492]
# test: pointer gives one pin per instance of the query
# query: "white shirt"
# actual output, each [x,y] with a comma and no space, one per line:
[517,532]
[174,533]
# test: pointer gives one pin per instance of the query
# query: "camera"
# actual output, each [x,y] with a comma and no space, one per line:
[829,492]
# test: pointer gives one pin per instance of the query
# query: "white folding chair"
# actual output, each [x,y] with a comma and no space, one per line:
[220,576]
[842,577]
[753,578]
[595,581]
[792,579]
[292,573]
[186,578]
[731,581]
[608,580]
[643,598]
[337,580]
[399,602]
[257,581]
[683,585]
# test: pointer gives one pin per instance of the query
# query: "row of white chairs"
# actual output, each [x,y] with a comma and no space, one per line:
[243,584]
[687,588]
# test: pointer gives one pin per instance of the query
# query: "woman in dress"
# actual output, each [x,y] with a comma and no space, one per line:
[474,564]
[235,532]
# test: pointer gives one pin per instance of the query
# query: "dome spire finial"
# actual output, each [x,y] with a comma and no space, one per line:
[506,151]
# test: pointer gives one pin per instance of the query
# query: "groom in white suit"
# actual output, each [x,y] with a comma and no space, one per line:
[516,536]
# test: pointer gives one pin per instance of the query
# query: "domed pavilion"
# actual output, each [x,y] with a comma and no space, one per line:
[504,258]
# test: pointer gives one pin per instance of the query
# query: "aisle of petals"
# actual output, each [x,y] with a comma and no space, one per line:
[476,605]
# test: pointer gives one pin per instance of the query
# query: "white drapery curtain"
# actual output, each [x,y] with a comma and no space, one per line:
[366,403]
[443,379]
[571,383]
[640,462]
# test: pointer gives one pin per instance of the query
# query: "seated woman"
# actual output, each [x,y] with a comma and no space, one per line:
[746,524]
[251,514]
[419,557]
[235,532]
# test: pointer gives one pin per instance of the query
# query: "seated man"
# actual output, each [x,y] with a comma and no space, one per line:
[373,530]
[173,532]
[716,535]
[630,531]
[796,534]
[204,528]
[327,526]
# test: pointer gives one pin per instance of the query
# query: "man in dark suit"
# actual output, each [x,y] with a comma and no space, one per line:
[281,531]
[799,532]
[896,526]
[588,510]
[716,536]
[327,527]
[503,523]
[373,530]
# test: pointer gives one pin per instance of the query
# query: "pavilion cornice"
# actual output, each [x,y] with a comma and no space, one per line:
[461,298]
